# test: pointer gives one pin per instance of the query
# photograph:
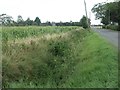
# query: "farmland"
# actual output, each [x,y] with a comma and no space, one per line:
[55,57]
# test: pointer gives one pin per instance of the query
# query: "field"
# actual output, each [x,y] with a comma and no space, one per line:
[55,57]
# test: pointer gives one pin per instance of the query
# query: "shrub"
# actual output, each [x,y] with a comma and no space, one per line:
[112,27]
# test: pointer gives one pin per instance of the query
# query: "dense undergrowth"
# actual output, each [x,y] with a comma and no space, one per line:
[75,60]
[112,27]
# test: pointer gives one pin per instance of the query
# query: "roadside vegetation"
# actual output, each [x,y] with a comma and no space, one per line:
[98,64]
[112,27]
[59,57]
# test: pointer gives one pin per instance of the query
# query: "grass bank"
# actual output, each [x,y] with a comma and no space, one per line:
[98,67]
[80,59]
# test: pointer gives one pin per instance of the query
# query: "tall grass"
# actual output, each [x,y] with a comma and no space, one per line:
[41,62]
[74,60]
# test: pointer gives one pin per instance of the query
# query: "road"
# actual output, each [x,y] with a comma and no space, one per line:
[111,36]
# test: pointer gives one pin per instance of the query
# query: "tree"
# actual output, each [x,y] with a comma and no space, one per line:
[29,22]
[107,12]
[37,21]
[83,22]
[99,10]
[20,21]
[105,20]
[6,19]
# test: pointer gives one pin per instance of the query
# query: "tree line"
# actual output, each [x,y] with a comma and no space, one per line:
[8,21]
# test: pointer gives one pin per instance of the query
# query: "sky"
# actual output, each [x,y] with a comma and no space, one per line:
[50,10]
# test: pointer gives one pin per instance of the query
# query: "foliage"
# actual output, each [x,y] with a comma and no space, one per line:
[107,12]
[29,22]
[112,27]
[99,10]
[70,59]
[5,19]
[37,21]
[83,22]
[20,21]
[40,61]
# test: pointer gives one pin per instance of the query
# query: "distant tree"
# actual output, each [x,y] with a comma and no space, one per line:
[76,24]
[6,20]
[61,23]
[20,21]
[68,23]
[83,22]
[37,21]
[29,22]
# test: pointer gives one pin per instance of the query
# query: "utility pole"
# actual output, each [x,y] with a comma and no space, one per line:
[86,13]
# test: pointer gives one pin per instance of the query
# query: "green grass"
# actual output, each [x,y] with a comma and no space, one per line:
[78,59]
[98,67]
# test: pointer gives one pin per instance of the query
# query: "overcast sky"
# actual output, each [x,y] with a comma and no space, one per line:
[49,10]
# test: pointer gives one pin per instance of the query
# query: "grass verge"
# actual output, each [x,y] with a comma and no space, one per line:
[98,67]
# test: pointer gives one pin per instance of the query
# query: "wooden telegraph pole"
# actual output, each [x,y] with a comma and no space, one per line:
[86,13]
